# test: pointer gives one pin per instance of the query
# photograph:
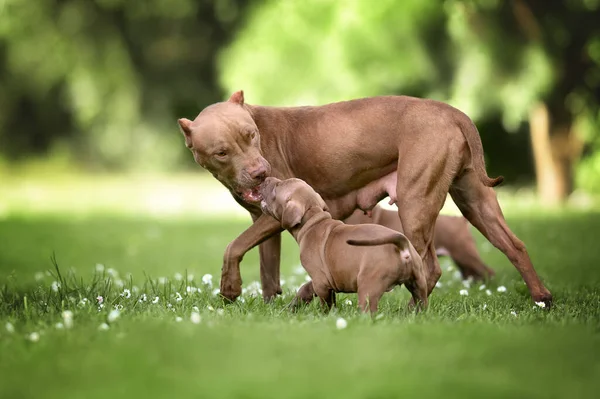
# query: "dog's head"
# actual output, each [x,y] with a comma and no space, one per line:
[288,200]
[225,140]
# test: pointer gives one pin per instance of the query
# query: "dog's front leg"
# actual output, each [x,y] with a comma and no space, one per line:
[270,257]
[231,280]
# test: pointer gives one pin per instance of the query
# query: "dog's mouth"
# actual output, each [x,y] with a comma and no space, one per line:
[252,195]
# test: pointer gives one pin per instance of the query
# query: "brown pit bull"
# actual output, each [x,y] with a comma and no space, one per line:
[354,154]
[367,258]
[451,237]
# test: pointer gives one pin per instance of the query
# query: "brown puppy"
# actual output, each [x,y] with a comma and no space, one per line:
[367,258]
[354,154]
[451,237]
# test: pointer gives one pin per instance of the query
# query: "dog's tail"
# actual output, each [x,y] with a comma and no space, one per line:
[469,130]
[398,239]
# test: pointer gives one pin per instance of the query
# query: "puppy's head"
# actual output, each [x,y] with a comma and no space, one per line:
[288,200]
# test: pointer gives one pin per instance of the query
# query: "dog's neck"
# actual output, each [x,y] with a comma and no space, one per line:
[311,218]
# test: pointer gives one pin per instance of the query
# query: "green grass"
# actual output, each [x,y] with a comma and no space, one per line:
[463,346]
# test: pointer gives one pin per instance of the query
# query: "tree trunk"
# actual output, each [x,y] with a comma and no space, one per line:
[555,149]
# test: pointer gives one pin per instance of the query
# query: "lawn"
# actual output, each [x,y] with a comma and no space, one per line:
[161,331]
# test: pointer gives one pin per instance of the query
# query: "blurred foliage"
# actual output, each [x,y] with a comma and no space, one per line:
[102,80]
[489,58]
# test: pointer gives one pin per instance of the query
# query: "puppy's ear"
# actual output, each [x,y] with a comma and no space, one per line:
[323,204]
[185,125]
[292,214]
[237,97]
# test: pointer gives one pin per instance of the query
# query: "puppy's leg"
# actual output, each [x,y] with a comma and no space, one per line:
[371,286]
[305,294]
[325,294]
[479,205]
[418,288]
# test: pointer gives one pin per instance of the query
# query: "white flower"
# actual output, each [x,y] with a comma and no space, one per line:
[348,302]
[118,306]
[463,292]
[341,323]
[220,312]
[143,298]
[178,297]
[99,267]
[162,280]
[59,326]
[100,299]
[101,306]
[207,279]
[457,275]
[216,291]
[126,293]
[466,283]
[439,284]
[55,286]
[39,276]
[513,313]
[484,306]
[501,289]
[488,292]
[113,315]
[541,304]
[195,318]
[112,272]
[9,327]
[103,327]
[210,308]
[155,300]
[178,276]
[82,302]
[178,319]
[34,337]
[67,316]
[191,290]
[195,309]
[169,305]
[190,277]
[482,287]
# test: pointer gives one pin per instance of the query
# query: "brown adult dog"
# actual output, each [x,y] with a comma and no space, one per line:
[354,154]
[451,237]
[367,258]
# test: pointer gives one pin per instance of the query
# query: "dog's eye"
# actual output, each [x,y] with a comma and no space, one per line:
[221,153]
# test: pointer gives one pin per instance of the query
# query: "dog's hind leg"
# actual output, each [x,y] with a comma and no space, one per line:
[479,204]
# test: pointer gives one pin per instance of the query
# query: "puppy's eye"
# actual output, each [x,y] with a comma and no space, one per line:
[252,135]
[221,153]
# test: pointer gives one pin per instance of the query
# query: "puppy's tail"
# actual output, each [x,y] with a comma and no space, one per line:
[469,130]
[398,239]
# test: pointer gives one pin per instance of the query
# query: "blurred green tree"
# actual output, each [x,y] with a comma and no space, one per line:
[104,79]
[532,62]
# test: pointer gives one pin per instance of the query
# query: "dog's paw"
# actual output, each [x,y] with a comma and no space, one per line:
[230,290]
[544,298]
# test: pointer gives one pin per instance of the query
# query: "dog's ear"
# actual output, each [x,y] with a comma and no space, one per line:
[237,97]
[292,214]
[185,125]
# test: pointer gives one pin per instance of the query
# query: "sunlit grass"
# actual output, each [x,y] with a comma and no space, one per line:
[130,308]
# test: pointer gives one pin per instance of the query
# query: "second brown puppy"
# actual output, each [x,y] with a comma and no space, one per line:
[368,259]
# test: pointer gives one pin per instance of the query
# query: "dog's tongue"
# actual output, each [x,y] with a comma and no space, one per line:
[252,195]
